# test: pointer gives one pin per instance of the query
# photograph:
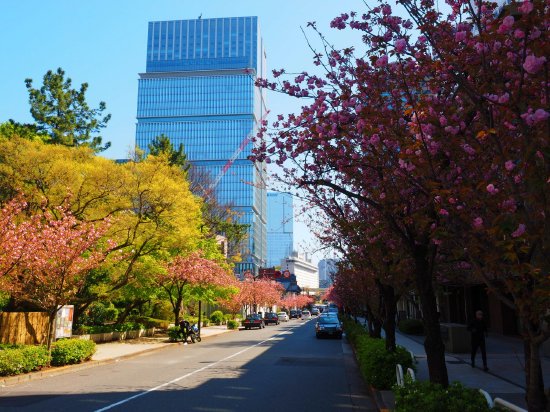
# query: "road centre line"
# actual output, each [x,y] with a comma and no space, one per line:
[190,373]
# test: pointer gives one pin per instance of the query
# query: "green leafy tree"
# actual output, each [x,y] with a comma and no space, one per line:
[64,114]
[162,144]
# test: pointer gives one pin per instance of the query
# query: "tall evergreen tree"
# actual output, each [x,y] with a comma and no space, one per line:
[162,144]
[64,113]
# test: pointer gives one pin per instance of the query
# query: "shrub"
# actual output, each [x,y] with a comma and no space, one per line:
[123,327]
[99,313]
[228,316]
[69,351]
[232,324]
[353,330]
[217,317]
[411,326]
[174,334]
[22,359]
[127,326]
[191,319]
[430,397]
[377,364]
[152,322]
[205,322]
[162,310]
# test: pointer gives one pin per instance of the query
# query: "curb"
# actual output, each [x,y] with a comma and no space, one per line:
[12,380]
[380,404]
[60,370]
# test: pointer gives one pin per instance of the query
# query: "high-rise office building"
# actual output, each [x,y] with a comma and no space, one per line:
[280,227]
[198,89]
[327,268]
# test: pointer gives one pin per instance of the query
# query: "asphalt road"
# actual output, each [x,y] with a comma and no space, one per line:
[279,368]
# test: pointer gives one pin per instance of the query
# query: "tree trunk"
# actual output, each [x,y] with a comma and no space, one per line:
[177,309]
[377,329]
[535,396]
[370,317]
[79,309]
[390,309]
[433,344]
[51,332]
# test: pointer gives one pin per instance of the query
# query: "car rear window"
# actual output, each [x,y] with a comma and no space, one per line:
[328,320]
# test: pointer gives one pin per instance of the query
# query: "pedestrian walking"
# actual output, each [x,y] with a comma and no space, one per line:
[478,331]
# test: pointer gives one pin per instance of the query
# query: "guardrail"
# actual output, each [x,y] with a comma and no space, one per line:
[508,405]
[399,373]
[487,398]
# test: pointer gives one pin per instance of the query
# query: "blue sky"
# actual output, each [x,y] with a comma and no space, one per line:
[104,43]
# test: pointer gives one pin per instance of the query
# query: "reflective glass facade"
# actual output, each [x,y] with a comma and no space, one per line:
[280,227]
[198,89]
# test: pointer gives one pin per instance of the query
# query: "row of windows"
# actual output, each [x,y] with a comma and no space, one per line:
[208,38]
[212,140]
[189,96]
[175,65]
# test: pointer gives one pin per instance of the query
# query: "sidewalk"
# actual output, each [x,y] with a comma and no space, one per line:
[112,352]
[505,379]
[126,348]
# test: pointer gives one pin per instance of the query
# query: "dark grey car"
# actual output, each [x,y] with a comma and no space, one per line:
[328,326]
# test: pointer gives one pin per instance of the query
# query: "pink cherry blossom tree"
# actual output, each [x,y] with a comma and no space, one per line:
[439,128]
[55,253]
[193,276]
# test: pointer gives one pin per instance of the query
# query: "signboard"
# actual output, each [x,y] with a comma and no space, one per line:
[270,273]
[64,322]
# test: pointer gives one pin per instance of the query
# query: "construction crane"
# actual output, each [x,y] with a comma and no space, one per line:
[232,159]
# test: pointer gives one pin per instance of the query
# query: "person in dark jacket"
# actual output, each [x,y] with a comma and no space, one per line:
[478,330]
[184,329]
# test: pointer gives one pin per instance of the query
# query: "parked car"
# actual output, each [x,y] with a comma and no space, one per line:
[328,326]
[271,317]
[315,311]
[294,314]
[283,317]
[253,321]
[306,314]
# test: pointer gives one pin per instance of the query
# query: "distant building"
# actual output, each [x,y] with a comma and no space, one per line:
[280,227]
[327,268]
[306,272]
[198,89]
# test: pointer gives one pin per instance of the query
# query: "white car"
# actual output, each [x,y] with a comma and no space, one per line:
[283,317]
[306,314]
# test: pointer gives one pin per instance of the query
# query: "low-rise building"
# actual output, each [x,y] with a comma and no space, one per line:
[305,271]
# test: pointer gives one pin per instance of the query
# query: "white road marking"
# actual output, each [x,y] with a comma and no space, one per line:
[187,375]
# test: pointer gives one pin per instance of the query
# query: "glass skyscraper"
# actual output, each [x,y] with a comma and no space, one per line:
[198,89]
[280,227]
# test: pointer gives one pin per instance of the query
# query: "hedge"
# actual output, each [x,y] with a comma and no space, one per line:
[411,326]
[376,364]
[22,359]
[69,351]
[431,397]
[152,322]
[122,327]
